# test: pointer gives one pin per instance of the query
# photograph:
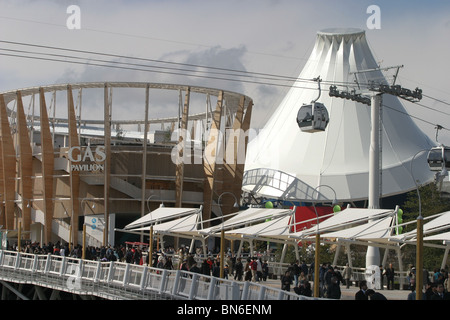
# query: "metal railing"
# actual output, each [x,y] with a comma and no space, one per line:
[125,281]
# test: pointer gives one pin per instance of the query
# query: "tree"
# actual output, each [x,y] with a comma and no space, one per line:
[432,202]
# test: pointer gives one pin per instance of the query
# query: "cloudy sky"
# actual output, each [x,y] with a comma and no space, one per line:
[261,36]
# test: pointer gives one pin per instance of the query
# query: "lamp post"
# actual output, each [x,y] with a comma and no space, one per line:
[83,253]
[150,244]
[19,235]
[317,250]
[419,237]
[222,233]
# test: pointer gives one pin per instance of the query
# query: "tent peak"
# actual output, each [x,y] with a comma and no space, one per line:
[341,31]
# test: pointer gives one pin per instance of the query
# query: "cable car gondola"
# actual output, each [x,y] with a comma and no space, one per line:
[439,158]
[313,117]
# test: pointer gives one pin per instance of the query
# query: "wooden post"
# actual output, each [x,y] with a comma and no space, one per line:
[107,170]
[9,166]
[231,159]
[83,255]
[210,157]
[74,144]
[47,169]
[25,163]
[419,259]
[181,151]
[150,247]
[19,235]
[144,156]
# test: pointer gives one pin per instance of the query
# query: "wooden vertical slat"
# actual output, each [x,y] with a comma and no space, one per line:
[241,164]
[74,175]
[209,160]
[2,186]
[107,167]
[144,152]
[232,156]
[47,167]
[181,152]
[9,166]
[25,164]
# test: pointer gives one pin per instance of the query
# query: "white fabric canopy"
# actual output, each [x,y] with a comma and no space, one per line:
[250,215]
[445,236]
[279,228]
[161,214]
[345,218]
[372,230]
[436,224]
[182,224]
[275,227]
[439,223]
[189,226]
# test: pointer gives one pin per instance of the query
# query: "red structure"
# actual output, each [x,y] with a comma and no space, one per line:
[308,214]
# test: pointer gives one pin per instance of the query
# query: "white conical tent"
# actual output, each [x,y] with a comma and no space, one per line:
[282,161]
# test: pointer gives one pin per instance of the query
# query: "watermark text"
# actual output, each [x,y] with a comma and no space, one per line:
[73,22]
[374,20]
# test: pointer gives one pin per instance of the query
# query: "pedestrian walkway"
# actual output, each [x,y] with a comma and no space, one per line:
[349,294]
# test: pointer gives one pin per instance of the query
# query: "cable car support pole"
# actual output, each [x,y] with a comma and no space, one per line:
[373,253]
[372,257]
[374,154]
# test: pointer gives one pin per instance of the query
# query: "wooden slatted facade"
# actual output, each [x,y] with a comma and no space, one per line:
[32,177]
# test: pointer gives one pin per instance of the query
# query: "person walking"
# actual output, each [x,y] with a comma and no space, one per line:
[248,270]
[295,272]
[253,268]
[286,281]
[390,272]
[329,274]
[259,270]
[347,275]
[333,289]
[265,270]
[238,270]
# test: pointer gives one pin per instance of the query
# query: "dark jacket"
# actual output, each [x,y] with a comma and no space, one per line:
[436,296]
[360,295]
[286,281]
[334,291]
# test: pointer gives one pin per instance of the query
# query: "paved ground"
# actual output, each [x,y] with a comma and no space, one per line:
[349,294]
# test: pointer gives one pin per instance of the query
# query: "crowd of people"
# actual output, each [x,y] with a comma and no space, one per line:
[121,253]
[436,284]
[298,276]
[249,269]
[241,269]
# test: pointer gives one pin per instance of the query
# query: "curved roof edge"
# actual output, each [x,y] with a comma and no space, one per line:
[11,94]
